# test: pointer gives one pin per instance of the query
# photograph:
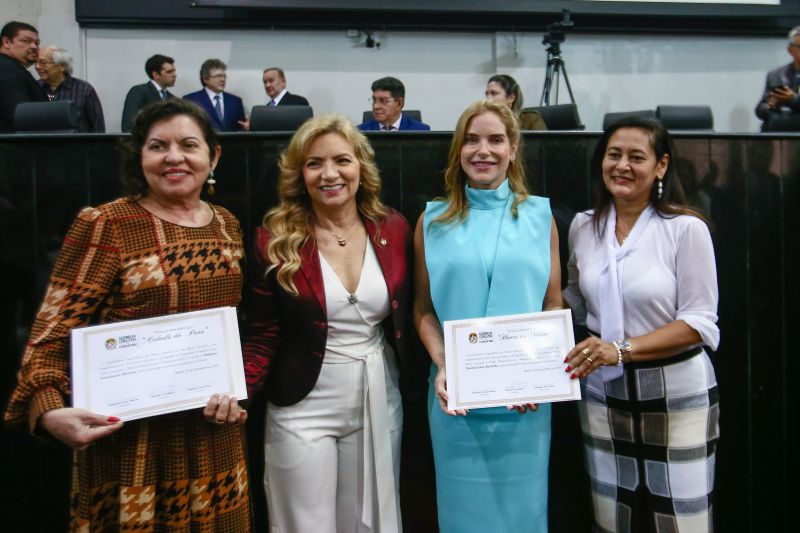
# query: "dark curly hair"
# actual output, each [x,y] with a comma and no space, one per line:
[130,148]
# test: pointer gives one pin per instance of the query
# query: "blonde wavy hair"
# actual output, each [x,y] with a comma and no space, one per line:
[290,222]
[455,179]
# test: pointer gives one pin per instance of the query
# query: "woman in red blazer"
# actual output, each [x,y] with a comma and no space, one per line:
[329,286]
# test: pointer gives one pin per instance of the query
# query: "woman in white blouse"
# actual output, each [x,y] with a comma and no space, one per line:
[643,278]
[329,286]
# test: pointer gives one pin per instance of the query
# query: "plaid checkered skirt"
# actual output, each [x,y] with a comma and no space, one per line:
[650,439]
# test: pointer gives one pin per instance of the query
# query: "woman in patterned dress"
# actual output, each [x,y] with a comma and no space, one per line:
[642,276]
[159,250]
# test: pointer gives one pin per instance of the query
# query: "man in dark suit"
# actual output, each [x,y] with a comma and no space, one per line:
[161,71]
[388,98]
[19,50]
[275,85]
[224,109]
[781,100]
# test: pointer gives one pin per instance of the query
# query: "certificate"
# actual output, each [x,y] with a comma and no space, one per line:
[509,360]
[159,365]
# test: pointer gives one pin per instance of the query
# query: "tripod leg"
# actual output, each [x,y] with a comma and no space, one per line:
[548,82]
[566,80]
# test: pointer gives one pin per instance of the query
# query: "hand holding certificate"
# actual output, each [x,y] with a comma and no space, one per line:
[158,365]
[509,360]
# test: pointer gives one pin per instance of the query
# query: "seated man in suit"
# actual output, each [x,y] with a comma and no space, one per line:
[224,109]
[55,76]
[161,71]
[275,85]
[388,97]
[19,49]
[780,100]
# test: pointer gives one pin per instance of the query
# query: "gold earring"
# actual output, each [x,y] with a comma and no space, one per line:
[211,182]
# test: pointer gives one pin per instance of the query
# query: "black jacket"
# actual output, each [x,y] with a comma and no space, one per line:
[17,86]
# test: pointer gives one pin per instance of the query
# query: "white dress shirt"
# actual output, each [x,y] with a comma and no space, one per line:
[277,99]
[212,95]
[669,275]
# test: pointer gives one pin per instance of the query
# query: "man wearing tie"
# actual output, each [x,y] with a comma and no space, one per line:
[161,71]
[224,109]
[275,86]
[388,98]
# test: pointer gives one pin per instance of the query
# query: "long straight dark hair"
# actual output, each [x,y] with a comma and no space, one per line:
[672,202]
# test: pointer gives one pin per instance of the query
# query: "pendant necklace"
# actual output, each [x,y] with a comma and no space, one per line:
[622,235]
[340,239]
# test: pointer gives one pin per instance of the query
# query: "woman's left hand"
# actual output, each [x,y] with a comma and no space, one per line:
[224,409]
[589,355]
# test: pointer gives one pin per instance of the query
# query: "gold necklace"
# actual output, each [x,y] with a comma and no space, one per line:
[622,234]
[341,240]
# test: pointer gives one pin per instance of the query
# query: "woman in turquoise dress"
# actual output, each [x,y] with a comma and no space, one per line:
[487,249]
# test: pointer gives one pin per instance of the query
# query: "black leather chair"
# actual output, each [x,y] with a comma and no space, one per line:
[60,116]
[610,118]
[413,114]
[686,117]
[559,117]
[782,122]
[279,118]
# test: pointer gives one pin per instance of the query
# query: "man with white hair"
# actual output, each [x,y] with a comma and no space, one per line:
[55,70]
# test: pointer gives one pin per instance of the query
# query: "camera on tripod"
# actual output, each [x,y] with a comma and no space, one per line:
[556,32]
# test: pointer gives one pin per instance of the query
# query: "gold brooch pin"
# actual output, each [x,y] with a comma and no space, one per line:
[383,242]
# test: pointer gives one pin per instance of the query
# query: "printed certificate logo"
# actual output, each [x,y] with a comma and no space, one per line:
[124,341]
[480,337]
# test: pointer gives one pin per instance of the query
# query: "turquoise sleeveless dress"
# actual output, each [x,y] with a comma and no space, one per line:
[491,465]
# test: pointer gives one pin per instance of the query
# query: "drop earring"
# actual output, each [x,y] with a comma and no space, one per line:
[211,182]
[660,190]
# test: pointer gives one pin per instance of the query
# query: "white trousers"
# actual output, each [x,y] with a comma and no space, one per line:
[326,462]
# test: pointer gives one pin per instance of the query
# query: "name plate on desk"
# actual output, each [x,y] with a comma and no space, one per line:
[509,360]
[149,367]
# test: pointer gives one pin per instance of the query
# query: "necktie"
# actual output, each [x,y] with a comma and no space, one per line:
[387,128]
[163,94]
[218,108]
[273,103]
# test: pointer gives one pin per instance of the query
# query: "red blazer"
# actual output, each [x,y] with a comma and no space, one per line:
[285,335]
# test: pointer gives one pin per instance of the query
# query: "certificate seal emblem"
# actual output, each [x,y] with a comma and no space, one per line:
[111,344]
[473,338]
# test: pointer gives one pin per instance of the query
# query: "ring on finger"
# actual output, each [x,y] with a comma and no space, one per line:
[219,422]
[586,351]
[589,359]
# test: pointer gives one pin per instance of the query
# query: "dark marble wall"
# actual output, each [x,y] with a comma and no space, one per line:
[744,184]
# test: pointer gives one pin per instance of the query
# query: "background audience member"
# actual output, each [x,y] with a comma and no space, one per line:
[388,98]
[488,249]
[781,91]
[505,89]
[224,109]
[275,86]
[642,277]
[55,72]
[161,71]
[329,288]
[19,50]
[179,471]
